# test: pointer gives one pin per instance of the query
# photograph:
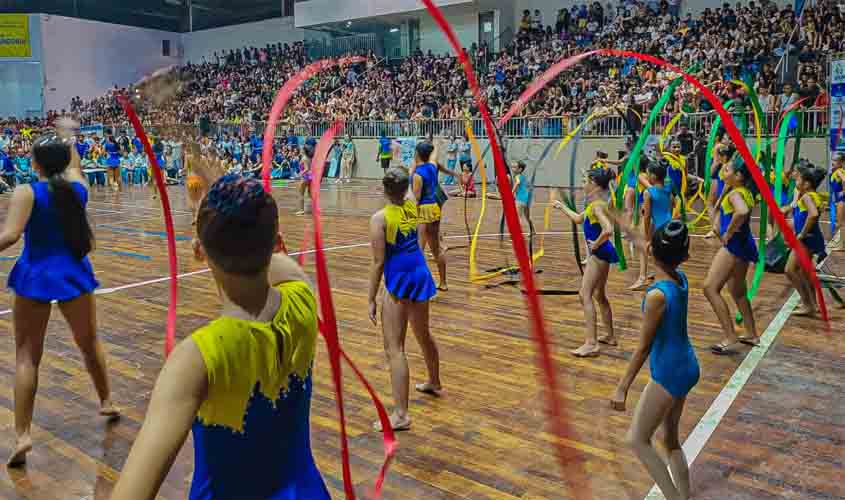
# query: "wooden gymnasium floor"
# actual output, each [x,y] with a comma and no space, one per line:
[484,439]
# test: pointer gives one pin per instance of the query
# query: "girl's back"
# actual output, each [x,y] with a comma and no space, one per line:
[251,434]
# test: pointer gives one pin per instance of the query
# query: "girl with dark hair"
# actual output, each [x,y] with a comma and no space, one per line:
[112,162]
[723,152]
[424,183]
[656,212]
[674,367]
[53,266]
[409,288]
[598,230]
[806,208]
[731,262]
[243,383]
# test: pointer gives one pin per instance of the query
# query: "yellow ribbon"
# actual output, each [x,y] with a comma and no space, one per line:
[577,129]
[668,130]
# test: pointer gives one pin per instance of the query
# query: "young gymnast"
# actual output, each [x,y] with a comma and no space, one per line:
[409,288]
[424,184]
[640,182]
[806,209]
[467,189]
[53,266]
[837,196]
[723,152]
[195,184]
[242,384]
[305,181]
[597,230]
[348,158]
[656,212]
[112,151]
[731,262]
[673,365]
[523,191]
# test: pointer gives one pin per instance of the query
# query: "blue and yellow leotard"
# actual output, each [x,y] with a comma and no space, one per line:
[814,241]
[427,208]
[837,186]
[718,176]
[592,231]
[742,242]
[406,274]
[677,174]
[251,434]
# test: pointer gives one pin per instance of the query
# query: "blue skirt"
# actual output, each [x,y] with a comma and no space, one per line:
[407,277]
[607,253]
[815,243]
[743,246]
[59,277]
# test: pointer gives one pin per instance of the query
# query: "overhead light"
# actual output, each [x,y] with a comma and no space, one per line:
[394,30]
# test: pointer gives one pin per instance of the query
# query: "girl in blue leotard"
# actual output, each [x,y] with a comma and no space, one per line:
[730,265]
[806,209]
[242,385]
[656,211]
[113,162]
[837,196]
[597,231]
[53,266]
[409,288]
[674,367]
[523,192]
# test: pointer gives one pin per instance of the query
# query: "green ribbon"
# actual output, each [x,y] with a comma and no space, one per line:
[634,159]
[711,143]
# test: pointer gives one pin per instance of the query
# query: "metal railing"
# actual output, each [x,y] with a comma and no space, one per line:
[814,123]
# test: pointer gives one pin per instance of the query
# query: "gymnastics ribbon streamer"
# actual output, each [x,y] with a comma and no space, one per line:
[554,404]
[328,327]
[733,132]
[711,144]
[668,130]
[285,94]
[170,329]
[473,246]
[575,132]
[570,202]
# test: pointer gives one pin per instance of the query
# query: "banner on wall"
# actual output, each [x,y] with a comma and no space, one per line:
[837,104]
[14,35]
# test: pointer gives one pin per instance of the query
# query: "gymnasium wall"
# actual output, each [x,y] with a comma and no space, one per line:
[87,58]
[205,43]
[21,78]
[316,12]
[555,172]
[464,20]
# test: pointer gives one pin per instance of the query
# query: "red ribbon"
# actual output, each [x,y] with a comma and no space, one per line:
[328,327]
[731,128]
[158,176]
[554,405]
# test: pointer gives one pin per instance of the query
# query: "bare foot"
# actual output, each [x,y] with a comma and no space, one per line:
[638,285]
[711,234]
[587,350]
[108,409]
[608,340]
[22,447]
[806,311]
[299,213]
[398,423]
[429,388]
[443,287]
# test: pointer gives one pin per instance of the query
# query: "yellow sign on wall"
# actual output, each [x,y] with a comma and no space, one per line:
[14,35]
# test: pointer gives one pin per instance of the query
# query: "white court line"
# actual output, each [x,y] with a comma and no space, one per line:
[719,408]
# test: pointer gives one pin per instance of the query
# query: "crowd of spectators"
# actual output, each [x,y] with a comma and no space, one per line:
[736,41]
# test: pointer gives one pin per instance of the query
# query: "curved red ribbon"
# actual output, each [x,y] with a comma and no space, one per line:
[170,330]
[328,327]
[554,405]
[730,126]
[283,97]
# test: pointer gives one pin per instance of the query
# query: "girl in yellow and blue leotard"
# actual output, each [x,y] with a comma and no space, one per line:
[837,195]
[674,368]
[243,383]
[597,231]
[731,262]
[409,288]
[806,209]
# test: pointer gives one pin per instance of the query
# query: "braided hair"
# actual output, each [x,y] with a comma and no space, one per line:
[52,155]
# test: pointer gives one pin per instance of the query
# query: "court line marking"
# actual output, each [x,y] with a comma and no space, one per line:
[711,419]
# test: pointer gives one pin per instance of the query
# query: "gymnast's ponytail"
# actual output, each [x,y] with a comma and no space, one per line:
[53,156]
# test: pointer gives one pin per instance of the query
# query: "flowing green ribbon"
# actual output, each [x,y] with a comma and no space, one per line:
[634,159]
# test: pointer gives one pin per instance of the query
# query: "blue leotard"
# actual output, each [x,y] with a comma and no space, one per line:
[814,240]
[406,274]
[113,151]
[742,242]
[661,205]
[672,359]
[523,192]
[47,270]
[592,231]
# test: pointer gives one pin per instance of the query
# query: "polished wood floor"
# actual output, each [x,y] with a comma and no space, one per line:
[485,438]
